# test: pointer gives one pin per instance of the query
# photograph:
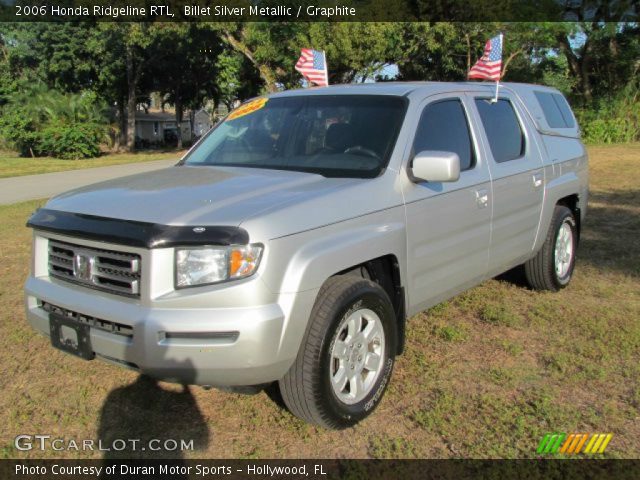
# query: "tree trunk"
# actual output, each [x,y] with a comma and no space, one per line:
[468,52]
[578,66]
[121,136]
[192,123]
[132,83]
[585,65]
[179,115]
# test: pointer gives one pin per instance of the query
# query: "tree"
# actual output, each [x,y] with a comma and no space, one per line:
[107,46]
[236,79]
[355,50]
[601,56]
[439,51]
[55,54]
[122,50]
[270,47]
[184,68]
[7,81]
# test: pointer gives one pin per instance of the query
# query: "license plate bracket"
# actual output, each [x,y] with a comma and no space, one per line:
[70,336]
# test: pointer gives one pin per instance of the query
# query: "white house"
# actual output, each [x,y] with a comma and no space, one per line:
[159,127]
[201,123]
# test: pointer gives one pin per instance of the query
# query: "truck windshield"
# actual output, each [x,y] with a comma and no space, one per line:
[332,135]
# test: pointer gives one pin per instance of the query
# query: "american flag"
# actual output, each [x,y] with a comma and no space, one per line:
[490,63]
[313,66]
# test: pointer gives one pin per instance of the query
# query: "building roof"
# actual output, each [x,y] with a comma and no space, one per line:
[158,117]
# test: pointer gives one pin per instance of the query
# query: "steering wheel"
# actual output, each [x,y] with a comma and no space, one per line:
[360,150]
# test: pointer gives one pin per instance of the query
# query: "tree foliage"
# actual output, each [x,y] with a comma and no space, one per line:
[119,65]
[38,121]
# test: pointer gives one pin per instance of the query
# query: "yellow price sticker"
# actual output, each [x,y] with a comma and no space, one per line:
[248,108]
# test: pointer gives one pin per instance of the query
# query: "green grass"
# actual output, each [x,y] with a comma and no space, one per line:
[500,314]
[451,333]
[11,165]
[485,374]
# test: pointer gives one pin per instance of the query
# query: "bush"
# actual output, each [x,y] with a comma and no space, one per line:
[18,131]
[38,121]
[610,124]
[71,141]
[615,120]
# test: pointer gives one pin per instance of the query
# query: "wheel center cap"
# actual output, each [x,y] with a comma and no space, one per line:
[357,353]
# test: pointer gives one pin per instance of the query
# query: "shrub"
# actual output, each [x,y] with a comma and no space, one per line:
[18,131]
[71,141]
[613,120]
[38,121]
[609,127]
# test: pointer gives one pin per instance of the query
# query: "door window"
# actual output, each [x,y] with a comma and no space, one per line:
[503,129]
[443,126]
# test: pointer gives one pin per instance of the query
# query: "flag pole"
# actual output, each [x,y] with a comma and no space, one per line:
[326,68]
[495,100]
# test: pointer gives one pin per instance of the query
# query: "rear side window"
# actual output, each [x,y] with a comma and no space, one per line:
[503,129]
[443,126]
[556,110]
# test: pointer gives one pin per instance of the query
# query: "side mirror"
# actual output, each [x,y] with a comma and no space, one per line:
[436,166]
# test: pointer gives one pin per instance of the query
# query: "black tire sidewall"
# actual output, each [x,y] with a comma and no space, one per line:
[378,302]
[564,217]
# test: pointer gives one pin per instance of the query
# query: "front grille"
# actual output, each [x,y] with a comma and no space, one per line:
[108,270]
[106,325]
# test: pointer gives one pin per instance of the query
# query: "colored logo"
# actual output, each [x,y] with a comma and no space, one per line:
[574,443]
[247,108]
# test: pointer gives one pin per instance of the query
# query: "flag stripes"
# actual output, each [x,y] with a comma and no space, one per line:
[313,66]
[490,64]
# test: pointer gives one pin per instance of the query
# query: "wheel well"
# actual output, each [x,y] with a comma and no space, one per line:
[572,202]
[385,271]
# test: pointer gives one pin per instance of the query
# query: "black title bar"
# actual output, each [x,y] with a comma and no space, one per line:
[319,469]
[321,10]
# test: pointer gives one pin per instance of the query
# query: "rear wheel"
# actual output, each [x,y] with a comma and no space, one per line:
[552,268]
[347,356]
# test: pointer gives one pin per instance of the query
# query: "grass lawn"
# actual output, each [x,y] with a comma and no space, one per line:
[11,165]
[485,374]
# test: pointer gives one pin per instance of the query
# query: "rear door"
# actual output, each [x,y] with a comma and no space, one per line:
[517,172]
[448,223]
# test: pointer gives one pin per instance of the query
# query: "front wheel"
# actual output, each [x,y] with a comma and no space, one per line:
[347,356]
[552,268]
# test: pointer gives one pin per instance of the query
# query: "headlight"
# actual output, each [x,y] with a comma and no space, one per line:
[206,265]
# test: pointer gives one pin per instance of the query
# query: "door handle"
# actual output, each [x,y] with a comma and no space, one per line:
[482,198]
[537,179]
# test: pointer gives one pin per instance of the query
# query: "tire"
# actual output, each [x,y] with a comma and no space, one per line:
[313,389]
[542,271]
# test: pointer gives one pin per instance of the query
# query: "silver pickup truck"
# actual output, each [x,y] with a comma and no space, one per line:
[293,241]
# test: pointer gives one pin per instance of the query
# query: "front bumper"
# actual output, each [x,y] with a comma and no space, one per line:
[180,344]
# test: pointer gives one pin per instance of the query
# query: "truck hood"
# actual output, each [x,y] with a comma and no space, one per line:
[183,195]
